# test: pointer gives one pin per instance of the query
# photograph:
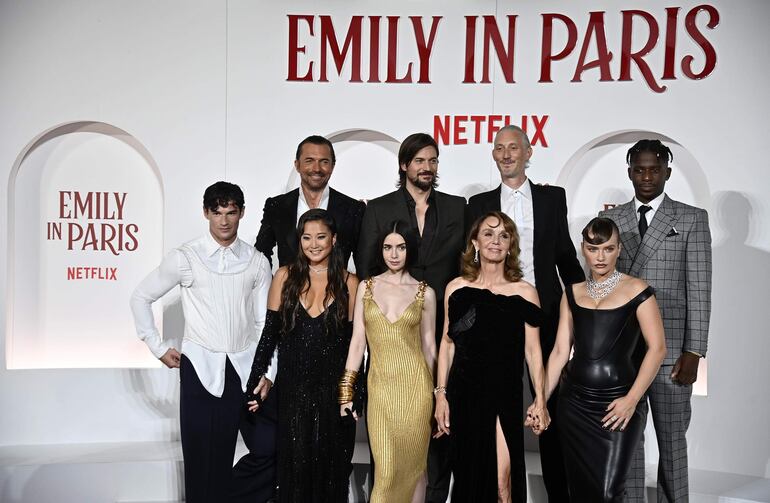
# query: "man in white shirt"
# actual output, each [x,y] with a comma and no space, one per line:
[547,255]
[224,286]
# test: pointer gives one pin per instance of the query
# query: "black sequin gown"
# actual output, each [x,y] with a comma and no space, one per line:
[601,370]
[315,445]
[484,384]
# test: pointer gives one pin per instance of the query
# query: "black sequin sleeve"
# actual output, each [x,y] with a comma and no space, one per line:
[265,349]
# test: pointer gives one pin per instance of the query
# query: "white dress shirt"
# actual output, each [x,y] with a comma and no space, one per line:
[517,204]
[302,205]
[224,298]
[654,204]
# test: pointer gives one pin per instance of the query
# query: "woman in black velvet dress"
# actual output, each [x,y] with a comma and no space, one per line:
[308,317]
[602,318]
[490,328]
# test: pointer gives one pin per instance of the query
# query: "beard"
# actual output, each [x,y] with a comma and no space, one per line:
[424,184]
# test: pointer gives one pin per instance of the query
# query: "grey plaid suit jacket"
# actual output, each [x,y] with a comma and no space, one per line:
[675,259]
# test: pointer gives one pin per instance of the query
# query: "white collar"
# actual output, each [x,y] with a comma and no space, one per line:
[323,203]
[525,189]
[210,246]
[654,204]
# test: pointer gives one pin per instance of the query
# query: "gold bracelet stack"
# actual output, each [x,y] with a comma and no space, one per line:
[345,388]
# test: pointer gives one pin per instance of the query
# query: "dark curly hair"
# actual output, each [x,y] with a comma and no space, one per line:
[221,194]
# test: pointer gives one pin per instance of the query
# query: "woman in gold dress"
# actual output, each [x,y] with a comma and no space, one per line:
[395,314]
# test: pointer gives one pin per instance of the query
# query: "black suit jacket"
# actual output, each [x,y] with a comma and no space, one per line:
[552,249]
[442,263]
[279,225]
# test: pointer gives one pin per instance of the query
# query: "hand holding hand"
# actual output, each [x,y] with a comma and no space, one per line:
[262,390]
[537,417]
[348,406]
[171,358]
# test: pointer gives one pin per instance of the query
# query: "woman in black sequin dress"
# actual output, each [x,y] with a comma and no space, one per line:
[308,318]
[602,318]
[490,329]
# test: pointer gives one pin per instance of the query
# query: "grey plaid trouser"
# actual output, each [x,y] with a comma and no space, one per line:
[671,411]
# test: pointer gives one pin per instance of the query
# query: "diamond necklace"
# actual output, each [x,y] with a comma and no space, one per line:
[318,270]
[600,289]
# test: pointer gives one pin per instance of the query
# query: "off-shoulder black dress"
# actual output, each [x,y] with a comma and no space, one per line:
[315,446]
[602,369]
[484,384]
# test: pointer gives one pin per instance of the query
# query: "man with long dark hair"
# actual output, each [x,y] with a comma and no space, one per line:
[224,287]
[438,219]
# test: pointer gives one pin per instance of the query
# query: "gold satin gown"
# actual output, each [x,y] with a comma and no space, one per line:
[400,401]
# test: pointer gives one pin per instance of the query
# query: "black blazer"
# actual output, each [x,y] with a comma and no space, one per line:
[552,248]
[442,263]
[279,225]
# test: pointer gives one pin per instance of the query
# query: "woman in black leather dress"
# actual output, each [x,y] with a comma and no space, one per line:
[489,329]
[603,317]
[308,317]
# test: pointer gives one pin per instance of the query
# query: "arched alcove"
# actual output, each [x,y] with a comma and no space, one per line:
[85,213]
[367,163]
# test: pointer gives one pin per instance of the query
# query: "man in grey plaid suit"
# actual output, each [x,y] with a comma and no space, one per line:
[668,244]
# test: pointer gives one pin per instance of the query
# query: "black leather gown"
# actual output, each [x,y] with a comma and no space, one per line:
[597,460]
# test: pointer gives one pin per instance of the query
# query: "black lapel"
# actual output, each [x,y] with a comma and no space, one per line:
[540,220]
[288,220]
[492,200]
[337,209]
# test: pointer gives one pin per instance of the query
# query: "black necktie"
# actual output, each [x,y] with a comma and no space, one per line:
[643,219]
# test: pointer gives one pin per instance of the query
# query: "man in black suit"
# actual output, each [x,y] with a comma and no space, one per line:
[540,214]
[314,162]
[438,219]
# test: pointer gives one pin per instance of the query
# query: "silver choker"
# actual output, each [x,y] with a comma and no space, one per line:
[600,289]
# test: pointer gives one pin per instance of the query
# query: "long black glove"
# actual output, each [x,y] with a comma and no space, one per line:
[265,349]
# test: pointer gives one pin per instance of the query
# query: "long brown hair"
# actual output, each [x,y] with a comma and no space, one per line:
[298,278]
[511,267]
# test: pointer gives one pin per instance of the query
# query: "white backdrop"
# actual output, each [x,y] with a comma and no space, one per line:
[202,88]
